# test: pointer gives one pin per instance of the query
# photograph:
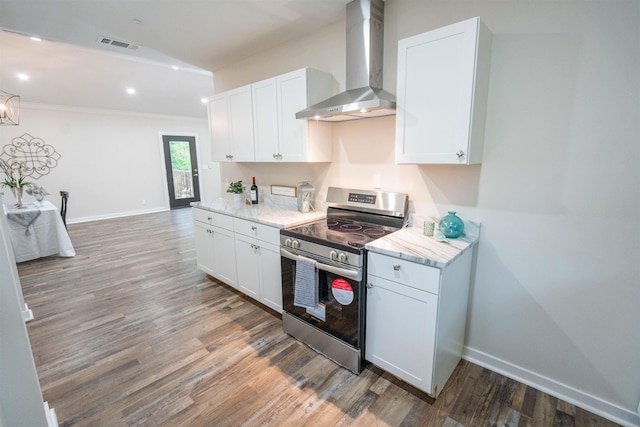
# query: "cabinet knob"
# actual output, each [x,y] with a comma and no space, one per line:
[369,285]
[459,153]
[209,218]
[396,267]
[254,228]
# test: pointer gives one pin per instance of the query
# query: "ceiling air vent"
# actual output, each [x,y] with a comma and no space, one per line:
[117,43]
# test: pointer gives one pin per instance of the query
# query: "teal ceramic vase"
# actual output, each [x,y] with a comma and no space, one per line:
[451,226]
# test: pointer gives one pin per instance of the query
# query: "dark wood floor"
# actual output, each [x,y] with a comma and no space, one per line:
[129,333]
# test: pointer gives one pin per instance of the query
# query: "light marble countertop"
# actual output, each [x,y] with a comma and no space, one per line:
[268,213]
[411,244]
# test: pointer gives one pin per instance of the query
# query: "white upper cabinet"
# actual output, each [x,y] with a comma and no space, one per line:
[278,135]
[265,120]
[443,80]
[231,126]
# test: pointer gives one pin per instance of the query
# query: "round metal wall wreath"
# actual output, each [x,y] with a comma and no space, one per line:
[32,154]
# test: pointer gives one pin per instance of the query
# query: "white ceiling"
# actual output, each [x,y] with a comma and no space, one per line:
[69,67]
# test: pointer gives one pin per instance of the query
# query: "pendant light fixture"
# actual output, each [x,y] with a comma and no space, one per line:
[9,109]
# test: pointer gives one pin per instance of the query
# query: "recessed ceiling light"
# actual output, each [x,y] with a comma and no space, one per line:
[35,39]
[175,67]
[131,91]
[204,100]
[22,76]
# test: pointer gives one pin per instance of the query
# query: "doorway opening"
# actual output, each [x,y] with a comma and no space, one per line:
[181,163]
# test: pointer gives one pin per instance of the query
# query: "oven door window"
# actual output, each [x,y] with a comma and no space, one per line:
[337,313]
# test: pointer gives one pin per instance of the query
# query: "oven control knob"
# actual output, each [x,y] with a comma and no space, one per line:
[333,255]
[287,242]
[295,244]
[342,257]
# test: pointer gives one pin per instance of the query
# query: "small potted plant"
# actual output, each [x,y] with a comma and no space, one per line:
[236,189]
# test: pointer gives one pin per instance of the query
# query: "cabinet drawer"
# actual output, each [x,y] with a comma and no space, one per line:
[408,273]
[259,231]
[213,218]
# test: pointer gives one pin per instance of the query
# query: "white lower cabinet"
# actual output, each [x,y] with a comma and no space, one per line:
[241,253]
[204,247]
[247,252]
[270,276]
[416,318]
[215,254]
[258,258]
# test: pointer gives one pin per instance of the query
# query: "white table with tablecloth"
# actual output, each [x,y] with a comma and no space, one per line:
[37,231]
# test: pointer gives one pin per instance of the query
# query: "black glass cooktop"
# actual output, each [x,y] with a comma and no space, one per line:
[340,231]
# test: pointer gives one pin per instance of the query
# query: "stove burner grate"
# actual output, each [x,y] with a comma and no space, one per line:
[374,232]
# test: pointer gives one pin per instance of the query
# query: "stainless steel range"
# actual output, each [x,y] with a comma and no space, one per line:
[324,271]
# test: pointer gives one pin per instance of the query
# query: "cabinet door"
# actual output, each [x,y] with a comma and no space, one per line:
[271,282]
[224,255]
[401,329]
[265,120]
[292,97]
[204,248]
[435,99]
[219,128]
[248,268]
[241,124]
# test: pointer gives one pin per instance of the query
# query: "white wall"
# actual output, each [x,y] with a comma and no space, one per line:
[20,394]
[111,162]
[555,298]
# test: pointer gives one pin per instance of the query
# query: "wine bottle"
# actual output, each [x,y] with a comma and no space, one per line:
[254,192]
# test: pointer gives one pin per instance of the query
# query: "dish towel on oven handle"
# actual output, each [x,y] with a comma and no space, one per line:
[305,292]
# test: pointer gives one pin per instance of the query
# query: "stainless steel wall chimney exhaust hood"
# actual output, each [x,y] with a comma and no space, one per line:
[364,97]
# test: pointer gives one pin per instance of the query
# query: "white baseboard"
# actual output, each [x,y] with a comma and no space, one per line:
[50,413]
[27,314]
[115,215]
[554,388]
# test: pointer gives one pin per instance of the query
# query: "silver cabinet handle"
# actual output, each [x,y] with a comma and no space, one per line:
[396,267]
[369,285]
[254,228]
[459,153]
[209,218]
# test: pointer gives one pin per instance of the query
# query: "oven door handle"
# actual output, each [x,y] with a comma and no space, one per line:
[351,274]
